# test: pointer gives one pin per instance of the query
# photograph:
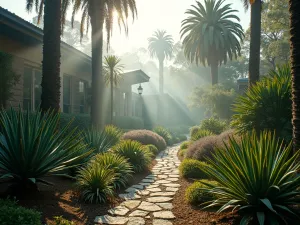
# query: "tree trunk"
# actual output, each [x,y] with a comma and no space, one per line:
[161,76]
[214,72]
[111,96]
[295,62]
[96,13]
[50,98]
[255,36]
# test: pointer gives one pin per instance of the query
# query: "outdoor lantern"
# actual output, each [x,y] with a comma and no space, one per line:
[140,89]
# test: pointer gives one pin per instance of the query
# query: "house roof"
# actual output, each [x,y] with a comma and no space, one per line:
[12,24]
[135,77]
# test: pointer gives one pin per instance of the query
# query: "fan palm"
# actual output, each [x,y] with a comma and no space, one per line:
[161,47]
[99,13]
[255,36]
[113,71]
[54,12]
[211,34]
[295,62]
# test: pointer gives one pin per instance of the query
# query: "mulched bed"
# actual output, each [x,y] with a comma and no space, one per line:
[61,199]
[187,214]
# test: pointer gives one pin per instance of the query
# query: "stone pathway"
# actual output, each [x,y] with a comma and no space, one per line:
[150,200]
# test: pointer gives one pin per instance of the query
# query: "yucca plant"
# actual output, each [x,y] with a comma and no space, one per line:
[96,183]
[102,141]
[200,134]
[121,167]
[135,153]
[164,133]
[31,147]
[267,105]
[256,176]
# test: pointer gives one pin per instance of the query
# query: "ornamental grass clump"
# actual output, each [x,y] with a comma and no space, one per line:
[164,133]
[200,134]
[135,153]
[102,141]
[257,176]
[120,165]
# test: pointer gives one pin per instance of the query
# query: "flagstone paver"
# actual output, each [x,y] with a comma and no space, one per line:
[150,199]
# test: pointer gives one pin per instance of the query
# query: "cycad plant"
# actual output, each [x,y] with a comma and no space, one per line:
[258,177]
[102,141]
[211,34]
[267,105]
[31,147]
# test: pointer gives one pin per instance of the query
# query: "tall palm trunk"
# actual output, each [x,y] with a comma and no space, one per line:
[111,96]
[161,76]
[295,61]
[50,98]
[255,36]
[96,13]
[214,72]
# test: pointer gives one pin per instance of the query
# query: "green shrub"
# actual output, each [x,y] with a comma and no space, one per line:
[195,193]
[11,214]
[257,177]
[34,140]
[194,130]
[185,145]
[153,149]
[95,183]
[129,122]
[59,220]
[104,140]
[182,137]
[200,134]
[182,152]
[79,121]
[146,137]
[191,168]
[164,133]
[266,105]
[213,125]
[121,167]
[135,153]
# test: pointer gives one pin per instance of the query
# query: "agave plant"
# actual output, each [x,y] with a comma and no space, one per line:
[257,177]
[200,134]
[104,140]
[164,133]
[121,167]
[135,153]
[95,183]
[267,105]
[32,147]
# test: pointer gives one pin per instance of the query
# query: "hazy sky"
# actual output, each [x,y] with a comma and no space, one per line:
[152,15]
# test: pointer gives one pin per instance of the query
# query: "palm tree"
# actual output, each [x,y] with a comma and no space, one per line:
[99,13]
[211,35]
[161,47]
[50,98]
[295,62]
[113,71]
[255,36]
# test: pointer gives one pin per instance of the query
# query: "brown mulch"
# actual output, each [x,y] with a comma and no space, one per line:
[187,214]
[61,199]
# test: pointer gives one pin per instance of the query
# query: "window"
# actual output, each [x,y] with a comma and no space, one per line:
[67,94]
[32,88]
[82,95]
